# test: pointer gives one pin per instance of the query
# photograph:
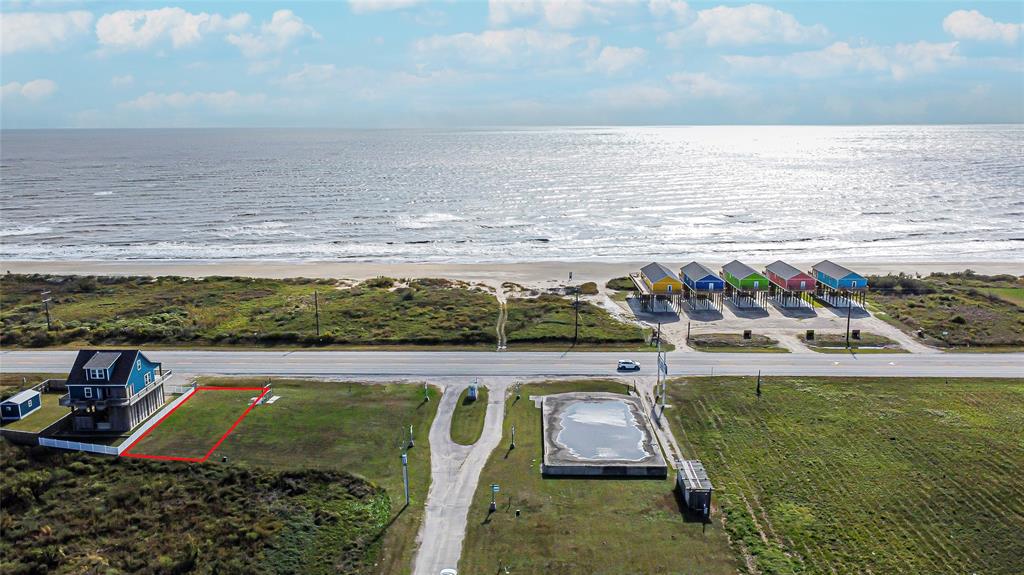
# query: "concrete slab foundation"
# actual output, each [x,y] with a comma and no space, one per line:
[590,434]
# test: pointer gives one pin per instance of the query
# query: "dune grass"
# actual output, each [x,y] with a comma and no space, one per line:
[579,526]
[338,426]
[733,343]
[551,319]
[67,513]
[860,475]
[468,418]
[955,311]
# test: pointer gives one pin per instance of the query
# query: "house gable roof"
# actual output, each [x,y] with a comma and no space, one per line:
[657,272]
[739,269]
[102,360]
[834,270]
[21,396]
[697,271]
[119,372]
[784,270]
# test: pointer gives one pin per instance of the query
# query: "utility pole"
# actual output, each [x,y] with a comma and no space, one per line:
[576,333]
[46,306]
[405,476]
[659,335]
[316,304]
[426,392]
[513,446]
[849,311]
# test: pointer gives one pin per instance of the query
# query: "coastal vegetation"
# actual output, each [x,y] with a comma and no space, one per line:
[327,426]
[958,311]
[64,512]
[234,311]
[734,342]
[550,319]
[468,417]
[579,526]
[836,342]
[861,475]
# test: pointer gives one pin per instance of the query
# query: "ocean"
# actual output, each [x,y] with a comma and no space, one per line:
[878,193]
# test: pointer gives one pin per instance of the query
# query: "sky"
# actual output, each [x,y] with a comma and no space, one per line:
[448,63]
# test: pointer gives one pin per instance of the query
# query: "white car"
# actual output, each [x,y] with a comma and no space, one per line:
[628,365]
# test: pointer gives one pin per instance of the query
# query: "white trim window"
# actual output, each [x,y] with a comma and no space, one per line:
[148,377]
[138,365]
[88,392]
[97,374]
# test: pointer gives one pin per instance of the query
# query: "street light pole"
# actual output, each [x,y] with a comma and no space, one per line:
[849,311]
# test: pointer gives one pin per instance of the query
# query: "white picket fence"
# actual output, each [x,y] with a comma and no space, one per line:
[110,450]
[79,446]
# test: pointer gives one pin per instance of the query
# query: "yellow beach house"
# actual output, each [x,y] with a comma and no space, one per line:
[660,280]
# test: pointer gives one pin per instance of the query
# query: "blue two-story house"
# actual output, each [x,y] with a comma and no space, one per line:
[837,277]
[113,390]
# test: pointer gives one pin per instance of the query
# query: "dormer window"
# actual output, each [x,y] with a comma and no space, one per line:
[97,374]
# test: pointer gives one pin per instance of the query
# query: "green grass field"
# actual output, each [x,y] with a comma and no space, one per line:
[550,319]
[733,343]
[468,418]
[579,526]
[862,475]
[350,427]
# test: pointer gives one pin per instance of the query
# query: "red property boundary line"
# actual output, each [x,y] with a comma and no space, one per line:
[126,452]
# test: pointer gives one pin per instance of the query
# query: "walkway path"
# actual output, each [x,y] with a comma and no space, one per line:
[454,474]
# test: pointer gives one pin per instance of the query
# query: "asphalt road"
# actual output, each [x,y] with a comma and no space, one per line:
[523,364]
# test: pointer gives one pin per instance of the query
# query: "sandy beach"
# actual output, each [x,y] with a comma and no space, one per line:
[525,273]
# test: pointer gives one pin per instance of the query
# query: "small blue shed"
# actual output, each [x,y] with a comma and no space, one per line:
[837,277]
[20,405]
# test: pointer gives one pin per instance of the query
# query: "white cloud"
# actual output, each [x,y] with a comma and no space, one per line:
[973,25]
[745,26]
[700,86]
[678,9]
[33,90]
[310,74]
[364,6]
[555,13]
[899,61]
[283,29]
[228,101]
[613,59]
[508,47]
[127,29]
[126,80]
[631,96]
[20,31]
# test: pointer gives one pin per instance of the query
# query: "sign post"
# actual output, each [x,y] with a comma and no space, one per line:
[494,492]
[405,476]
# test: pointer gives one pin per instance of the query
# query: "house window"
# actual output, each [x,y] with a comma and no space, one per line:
[138,364]
[97,374]
[756,284]
[803,285]
[148,378]
[88,393]
[670,289]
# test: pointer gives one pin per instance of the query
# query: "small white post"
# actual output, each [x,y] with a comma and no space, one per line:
[405,476]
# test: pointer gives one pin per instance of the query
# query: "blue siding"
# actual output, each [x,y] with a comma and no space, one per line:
[137,380]
[706,283]
[15,411]
[852,281]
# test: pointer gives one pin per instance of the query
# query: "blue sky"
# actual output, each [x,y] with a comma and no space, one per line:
[440,63]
